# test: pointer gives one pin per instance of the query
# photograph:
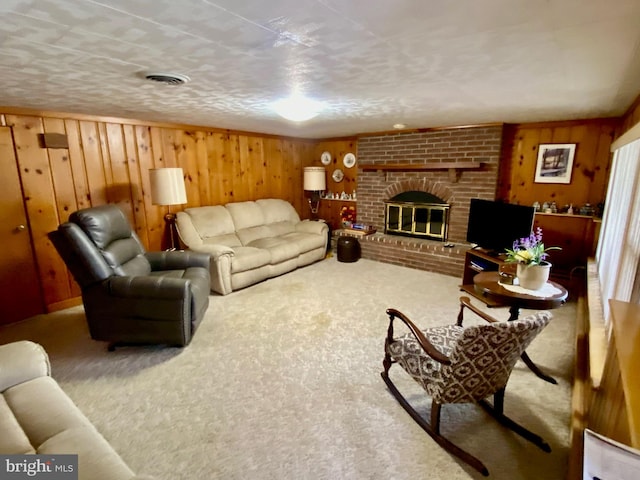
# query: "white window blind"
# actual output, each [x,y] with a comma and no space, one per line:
[618,253]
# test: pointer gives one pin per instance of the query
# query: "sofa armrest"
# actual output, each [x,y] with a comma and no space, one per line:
[148,287]
[176,260]
[220,269]
[312,226]
[187,232]
[22,361]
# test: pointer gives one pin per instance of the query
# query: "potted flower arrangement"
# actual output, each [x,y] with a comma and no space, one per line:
[347,216]
[530,254]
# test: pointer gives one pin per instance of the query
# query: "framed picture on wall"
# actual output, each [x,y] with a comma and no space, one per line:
[555,162]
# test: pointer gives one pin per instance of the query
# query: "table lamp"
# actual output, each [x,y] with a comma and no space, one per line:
[314,182]
[167,188]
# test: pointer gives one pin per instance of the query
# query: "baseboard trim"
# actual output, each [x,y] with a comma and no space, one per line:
[70,302]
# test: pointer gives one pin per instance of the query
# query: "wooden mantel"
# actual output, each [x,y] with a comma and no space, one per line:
[452,167]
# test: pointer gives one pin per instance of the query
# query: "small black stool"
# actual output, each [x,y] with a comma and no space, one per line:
[348,249]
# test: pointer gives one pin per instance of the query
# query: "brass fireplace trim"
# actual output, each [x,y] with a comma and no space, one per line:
[417,219]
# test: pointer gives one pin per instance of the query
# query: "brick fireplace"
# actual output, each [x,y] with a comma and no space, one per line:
[454,164]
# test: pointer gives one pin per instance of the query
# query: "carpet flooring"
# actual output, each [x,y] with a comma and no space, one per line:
[282,381]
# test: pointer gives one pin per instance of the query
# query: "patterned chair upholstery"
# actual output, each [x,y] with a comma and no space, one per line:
[456,364]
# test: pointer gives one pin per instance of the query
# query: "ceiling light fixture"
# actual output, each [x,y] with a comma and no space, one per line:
[297,108]
[167,78]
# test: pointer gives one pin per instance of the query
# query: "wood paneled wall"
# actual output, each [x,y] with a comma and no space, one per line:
[591,165]
[108,161]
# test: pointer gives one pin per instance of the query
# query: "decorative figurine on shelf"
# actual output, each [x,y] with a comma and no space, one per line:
[353,195]
[587,209]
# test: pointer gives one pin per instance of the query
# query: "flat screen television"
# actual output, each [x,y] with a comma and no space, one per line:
[495,225]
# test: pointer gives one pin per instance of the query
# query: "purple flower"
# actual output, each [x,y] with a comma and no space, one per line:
[529,250]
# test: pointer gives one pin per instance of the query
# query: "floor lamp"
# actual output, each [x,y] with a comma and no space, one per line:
[314,181]
[167,188]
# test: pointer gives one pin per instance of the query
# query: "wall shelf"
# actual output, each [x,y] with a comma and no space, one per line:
[452,167]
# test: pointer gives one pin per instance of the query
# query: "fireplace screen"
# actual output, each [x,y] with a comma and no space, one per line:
[422,220]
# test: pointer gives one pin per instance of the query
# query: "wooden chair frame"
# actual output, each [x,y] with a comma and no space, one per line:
[433,427]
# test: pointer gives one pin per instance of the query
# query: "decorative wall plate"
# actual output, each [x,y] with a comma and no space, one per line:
[325,158]
[337,175]
[349,160]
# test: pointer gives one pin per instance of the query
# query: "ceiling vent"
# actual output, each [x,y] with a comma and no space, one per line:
[168,78]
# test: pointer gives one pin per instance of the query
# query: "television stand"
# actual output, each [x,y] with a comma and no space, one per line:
[479,260]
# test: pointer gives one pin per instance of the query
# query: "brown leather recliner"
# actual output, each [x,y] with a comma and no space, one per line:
[131,296]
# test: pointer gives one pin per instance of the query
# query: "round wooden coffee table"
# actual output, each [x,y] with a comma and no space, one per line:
[487,284]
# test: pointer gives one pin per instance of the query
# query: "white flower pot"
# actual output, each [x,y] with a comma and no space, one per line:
[533,277]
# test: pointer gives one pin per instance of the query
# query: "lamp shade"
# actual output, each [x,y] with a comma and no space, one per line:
[167,186]
[315,179]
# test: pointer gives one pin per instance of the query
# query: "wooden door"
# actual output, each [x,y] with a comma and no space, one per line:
[20,294]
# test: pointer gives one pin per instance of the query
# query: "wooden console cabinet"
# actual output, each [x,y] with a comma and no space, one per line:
[577,235]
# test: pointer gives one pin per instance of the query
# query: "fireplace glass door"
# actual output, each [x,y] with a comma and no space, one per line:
[417,220]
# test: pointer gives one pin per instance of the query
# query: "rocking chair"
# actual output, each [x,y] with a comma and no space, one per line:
[457,364]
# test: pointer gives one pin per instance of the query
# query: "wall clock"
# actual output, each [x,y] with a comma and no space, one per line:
[337,175]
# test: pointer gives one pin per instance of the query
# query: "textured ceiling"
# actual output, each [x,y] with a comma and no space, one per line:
[375,63]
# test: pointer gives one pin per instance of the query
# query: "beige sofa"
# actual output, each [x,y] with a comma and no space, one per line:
[37,417]
[251,241]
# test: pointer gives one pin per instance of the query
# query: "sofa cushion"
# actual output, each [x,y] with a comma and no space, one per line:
[245,215]
[96,458]
[229,240]
[276,210]
[211,221]
[43,410]
[279,250]
[13,440]
[282,228]
[306,241]
[247,258]
[248,235]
